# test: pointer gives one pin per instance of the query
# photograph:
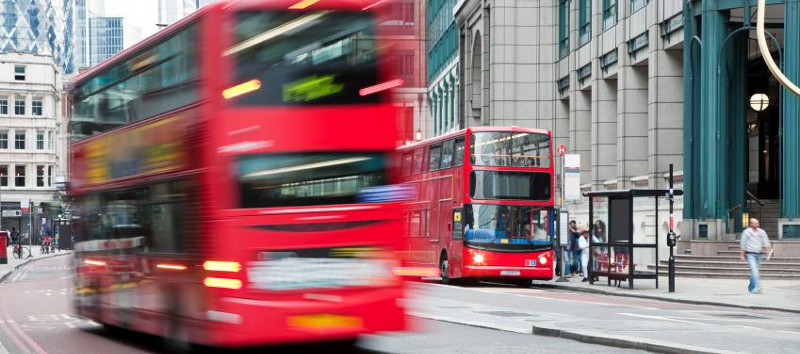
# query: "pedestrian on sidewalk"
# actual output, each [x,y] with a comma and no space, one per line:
[569,250]
[583,245]
[754,242]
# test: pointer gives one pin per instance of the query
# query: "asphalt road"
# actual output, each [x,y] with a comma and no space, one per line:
[36,318]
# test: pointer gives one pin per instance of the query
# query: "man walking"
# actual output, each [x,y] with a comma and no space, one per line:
[754,241]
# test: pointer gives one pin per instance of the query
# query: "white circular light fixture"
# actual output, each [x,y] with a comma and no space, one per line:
[759,102]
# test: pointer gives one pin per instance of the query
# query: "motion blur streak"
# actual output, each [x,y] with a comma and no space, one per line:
[241,165]
[241,89]
[171,266]
[303,4]
[223,283]
[381,87]
[219,266]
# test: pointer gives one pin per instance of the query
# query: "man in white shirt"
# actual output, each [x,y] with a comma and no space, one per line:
[754,242]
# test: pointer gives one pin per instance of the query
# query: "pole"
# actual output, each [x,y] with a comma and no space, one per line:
[30,228]
[671,235]
[563,276]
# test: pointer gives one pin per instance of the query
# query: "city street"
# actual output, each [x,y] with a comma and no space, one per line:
[36,317]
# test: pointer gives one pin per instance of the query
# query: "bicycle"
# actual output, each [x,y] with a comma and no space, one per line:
[25,253]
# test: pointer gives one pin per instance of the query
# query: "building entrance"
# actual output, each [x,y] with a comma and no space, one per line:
[763,124]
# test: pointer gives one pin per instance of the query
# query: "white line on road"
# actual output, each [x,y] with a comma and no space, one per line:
[663,318]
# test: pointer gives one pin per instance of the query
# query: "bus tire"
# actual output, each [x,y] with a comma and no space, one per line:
[444,268]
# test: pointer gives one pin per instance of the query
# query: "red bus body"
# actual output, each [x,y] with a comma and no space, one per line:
[164,241]
[438,219]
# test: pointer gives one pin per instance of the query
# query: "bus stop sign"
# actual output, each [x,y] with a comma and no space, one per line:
[562,150]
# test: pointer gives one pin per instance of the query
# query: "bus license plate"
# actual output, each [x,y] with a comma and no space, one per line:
[530,262]
[510,273]
[325,321]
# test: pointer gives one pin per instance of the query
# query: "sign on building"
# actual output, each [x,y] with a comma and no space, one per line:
[572,177]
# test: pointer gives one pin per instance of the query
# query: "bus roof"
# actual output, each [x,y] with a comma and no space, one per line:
[219,4]
[474,129]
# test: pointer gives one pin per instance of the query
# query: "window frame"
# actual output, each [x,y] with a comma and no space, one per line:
[435,149]
[40,107]
[610,14]
[3,105]
[40,142]
[584,21]
[4,175]
[563,28]
[40,176]
[20,75]
[20,177]
[19,144]
[19,108]
[4,139]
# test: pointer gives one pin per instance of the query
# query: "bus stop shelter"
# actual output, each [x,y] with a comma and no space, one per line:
[612,246]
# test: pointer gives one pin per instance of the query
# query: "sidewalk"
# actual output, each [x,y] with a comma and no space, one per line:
[13,263]
[781,295]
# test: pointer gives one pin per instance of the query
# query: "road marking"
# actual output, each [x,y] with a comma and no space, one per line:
[593,302]
[664,318]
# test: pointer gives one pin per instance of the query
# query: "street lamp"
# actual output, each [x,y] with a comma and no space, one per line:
[759,102]
[418,135]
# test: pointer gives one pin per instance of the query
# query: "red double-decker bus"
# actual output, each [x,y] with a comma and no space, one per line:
[233,178]
[484,207]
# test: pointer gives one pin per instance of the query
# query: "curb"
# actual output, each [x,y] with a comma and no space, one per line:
[6,273]
[623,341]
[658,298]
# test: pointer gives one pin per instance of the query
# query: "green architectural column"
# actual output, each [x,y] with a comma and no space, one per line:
[712,152]
[791,116]
[689,118]
[737,124]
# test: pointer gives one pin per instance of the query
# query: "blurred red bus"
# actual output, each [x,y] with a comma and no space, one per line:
[486,212]
[233,178]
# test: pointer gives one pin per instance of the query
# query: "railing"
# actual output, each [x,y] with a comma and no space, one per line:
[750,199]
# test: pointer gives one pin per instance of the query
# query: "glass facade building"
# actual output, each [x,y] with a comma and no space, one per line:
[42,27]
[105,38]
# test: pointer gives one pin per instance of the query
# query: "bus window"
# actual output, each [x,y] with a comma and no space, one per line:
[458,158]
[417,164]
[435,157]
[408,160]
[447,154]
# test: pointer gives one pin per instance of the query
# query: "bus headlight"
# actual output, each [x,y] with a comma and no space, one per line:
[543,260]
[477,258]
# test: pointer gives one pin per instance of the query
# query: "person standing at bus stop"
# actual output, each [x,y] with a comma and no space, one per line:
[754,242]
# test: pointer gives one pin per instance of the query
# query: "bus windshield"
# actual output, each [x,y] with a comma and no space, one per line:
[304,58]
[509,149]
[506,227]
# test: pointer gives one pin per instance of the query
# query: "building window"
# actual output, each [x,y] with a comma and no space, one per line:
[50,140]
[49,176]
[36,107]
[609,13]
[19,176]
[19,107]
[39,140]
[584,21]
[4,139]
[40,176]
[4,176]
[3,105]
[563,28]
[19,72]
[19,141]
[637,5]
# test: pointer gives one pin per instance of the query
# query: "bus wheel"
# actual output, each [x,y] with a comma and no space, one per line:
[444,268]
